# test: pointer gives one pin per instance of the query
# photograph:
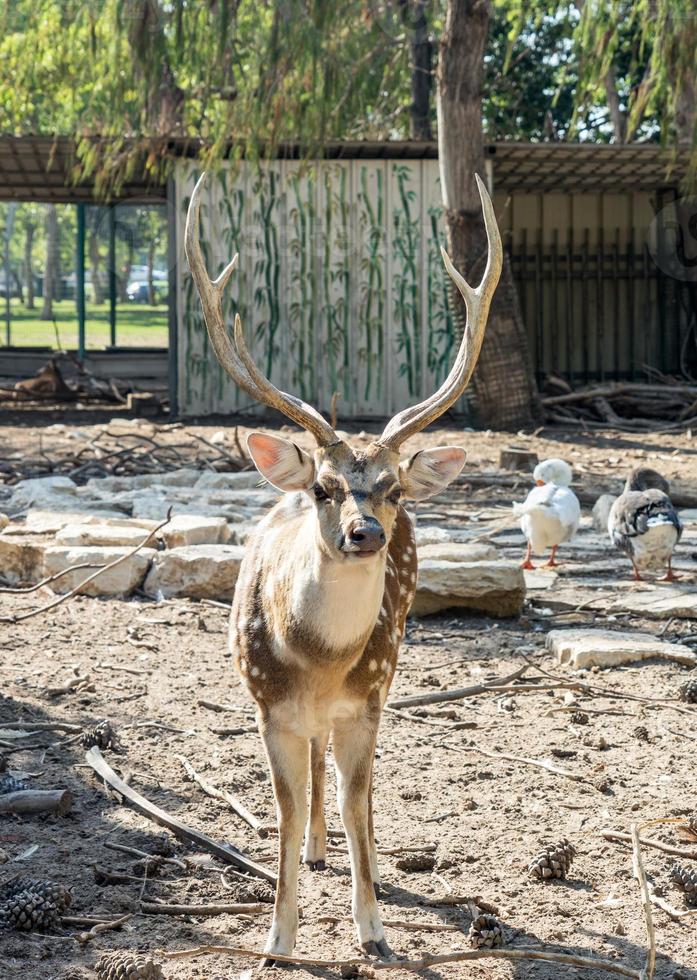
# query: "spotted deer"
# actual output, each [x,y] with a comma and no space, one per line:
[324,590]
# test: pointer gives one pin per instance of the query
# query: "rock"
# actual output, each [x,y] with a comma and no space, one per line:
[660,603]
[4,521]
[240,532]
[153,505]
[101,535]
[247,480]
[203,571]
[50,522]
[118,581]
[185,477]
[495,588]
[52,492]
[453,551]
[605,648]
[601,511]
[186,529]
[21,558]
[431,535]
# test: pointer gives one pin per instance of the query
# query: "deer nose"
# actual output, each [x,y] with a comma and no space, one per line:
[367,535]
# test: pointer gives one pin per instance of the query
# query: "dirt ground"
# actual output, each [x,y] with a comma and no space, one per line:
[478,819]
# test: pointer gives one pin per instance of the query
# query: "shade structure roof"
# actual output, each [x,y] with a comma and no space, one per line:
[43,168]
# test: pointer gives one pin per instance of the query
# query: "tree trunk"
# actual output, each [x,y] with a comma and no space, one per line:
[18,284]
[51,271]
[152,298]
[413,14]
[125,276]
[617,117]
[28,265]
[503,387]
[96,266]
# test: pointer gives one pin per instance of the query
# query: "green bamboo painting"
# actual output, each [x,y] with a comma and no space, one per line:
[372,301]
[406,245]
[313,273]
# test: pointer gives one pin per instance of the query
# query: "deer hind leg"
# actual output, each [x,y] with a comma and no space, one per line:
[315,851]
[288,758]
[354,748]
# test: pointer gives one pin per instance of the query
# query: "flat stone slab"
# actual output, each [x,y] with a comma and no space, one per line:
[204,571]
[188,529]
[54,492]
[494,588]
[50,521]
[100,535]
[660,602]
[430,534]
[118,581]
[247,480]
[606,648]
[454,551]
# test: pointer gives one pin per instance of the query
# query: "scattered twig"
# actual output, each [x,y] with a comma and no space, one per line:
[44,726]
[25,590]
[161,908]
[78,681]
[640,875]
[538,763]
[19,617]
[684,852]
[426,961]
[220,794]
[400,924]
[435,697]
[84,937]
[143,855]
[225,852]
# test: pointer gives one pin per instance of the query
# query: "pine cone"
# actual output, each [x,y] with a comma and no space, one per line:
[553,862]
[692,823]
[642,733]
[687,879]
[101,735]
[688,692]
[27,911]
[8,784]
[486,932]
[57,894]
[579,718]
[127,965]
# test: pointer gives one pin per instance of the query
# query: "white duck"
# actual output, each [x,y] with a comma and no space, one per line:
[551,512]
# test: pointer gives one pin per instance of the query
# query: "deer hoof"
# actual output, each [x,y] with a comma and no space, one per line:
[270,963]
[378,948]
[320,865]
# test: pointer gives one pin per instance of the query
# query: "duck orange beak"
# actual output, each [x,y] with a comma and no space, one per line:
[539,483]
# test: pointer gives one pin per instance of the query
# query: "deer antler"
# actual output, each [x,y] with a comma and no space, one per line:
[477,301]
[233,353]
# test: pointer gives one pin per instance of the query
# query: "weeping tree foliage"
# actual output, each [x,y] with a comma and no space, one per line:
[136,70]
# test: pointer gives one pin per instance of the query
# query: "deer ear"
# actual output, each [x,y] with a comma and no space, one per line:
[281,462]
[430,471]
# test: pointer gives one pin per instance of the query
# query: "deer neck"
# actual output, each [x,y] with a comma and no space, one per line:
[337,601]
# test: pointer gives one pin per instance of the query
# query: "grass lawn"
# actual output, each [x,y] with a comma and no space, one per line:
[137,325]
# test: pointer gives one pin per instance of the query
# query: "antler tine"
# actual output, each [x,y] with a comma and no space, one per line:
[234,356]
[477,301]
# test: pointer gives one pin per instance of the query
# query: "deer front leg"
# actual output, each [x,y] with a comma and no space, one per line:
[288,758]
[315,851]
[374,869]
[354,749]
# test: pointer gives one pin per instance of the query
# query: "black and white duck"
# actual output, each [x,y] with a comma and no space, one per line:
[644,524]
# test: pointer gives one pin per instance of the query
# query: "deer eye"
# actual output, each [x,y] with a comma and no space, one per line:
[395,495]
[319,492]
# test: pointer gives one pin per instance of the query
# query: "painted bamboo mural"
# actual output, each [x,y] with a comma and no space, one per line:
[340,284]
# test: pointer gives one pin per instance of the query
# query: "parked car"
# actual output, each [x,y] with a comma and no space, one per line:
[137,292]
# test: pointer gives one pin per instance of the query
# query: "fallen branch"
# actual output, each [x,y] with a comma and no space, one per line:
[161,908]
[435,697]
[44,726]
[640,875]
[673,913]
[220,794]
[37,801]
[17,618]
[426,961]
[684,852]
[226,852]
[400,924]
[155,859]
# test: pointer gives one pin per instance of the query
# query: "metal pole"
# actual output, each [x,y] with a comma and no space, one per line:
[11,208]
[172,286]
[80,281]
[112,274]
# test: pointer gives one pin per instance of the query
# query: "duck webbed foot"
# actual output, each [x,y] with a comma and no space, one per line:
[552,563]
